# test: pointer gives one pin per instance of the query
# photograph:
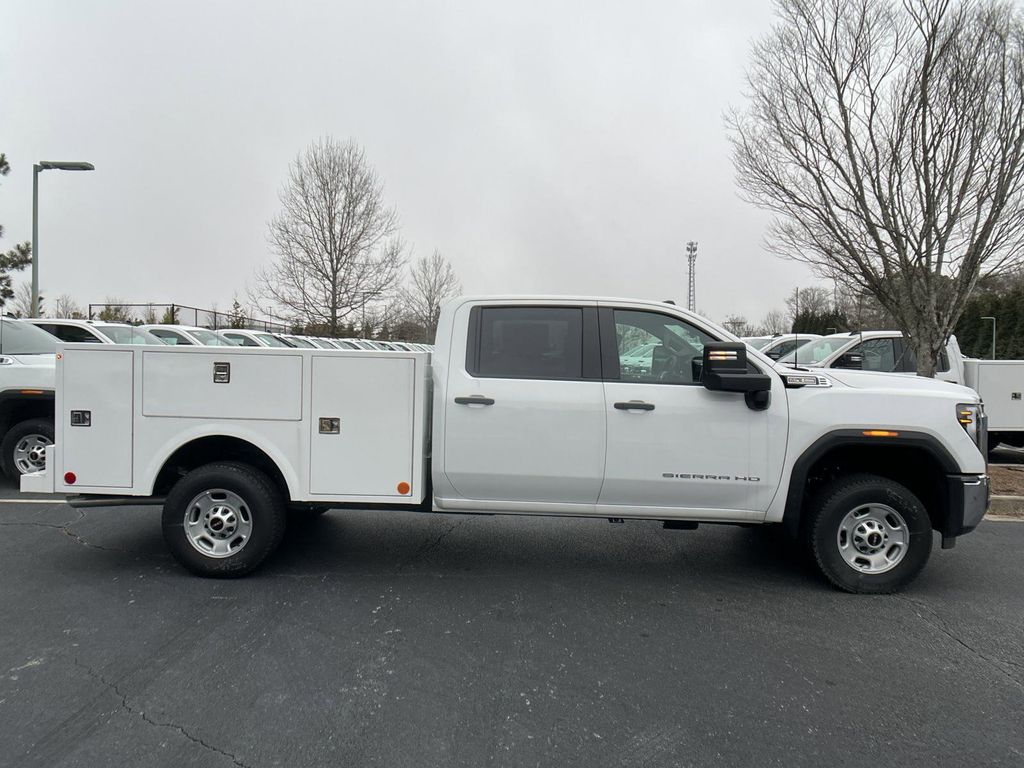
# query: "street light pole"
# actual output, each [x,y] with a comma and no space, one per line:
[45,165]
[993,335]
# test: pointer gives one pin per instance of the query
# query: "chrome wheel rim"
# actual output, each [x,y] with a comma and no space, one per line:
[218,523]
[30,453]
[873,538]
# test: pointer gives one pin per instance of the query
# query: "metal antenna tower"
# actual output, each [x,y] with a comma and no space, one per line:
[691,256]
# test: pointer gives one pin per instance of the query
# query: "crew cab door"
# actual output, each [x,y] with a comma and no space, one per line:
[671,442]
[524,405]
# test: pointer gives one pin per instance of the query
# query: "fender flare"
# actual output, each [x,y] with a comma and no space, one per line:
[846,437]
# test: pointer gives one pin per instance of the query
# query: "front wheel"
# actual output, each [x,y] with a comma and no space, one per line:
[868,534]
[23,448]
[224,519]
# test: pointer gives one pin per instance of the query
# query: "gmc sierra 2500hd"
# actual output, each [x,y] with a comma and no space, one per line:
[524,409]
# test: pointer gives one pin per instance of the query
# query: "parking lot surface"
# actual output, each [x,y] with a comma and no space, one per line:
[397,639]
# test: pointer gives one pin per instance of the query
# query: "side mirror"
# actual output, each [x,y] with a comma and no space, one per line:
[852,360]
[725,370]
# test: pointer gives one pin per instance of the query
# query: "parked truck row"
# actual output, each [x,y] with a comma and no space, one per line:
[527,406]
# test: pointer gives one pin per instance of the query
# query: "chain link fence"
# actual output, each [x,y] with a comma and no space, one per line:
[181,314]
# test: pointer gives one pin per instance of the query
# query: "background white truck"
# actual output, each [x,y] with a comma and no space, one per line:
[524,409]
[999,383]
[26,396]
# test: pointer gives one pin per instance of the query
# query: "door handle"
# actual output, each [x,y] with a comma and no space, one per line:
[634,405]
[474,400]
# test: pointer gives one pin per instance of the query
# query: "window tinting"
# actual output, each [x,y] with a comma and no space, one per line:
[241,340]
[877,354]
[530,343]
[170,336]
[71,333]
[658,349]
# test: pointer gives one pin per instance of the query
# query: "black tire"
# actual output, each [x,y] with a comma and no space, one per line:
[262,509]
[822,533]
[14,436]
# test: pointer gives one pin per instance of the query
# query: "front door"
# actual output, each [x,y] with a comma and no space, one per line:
[524,411]
[671,442]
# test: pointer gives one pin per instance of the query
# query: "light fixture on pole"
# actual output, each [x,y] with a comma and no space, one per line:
[45,165]
[993,335]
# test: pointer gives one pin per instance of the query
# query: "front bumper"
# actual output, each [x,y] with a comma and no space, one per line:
[968,501]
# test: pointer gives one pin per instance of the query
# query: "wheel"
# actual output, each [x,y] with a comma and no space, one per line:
[23,449]
[223,519]
[868,534]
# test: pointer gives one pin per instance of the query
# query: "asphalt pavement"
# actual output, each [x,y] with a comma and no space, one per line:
[404,639]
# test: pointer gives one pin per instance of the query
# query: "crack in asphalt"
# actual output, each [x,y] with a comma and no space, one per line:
[65,528]
[429,546]
[940,625]
[146,718]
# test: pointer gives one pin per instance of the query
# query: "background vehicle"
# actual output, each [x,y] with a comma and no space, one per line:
[533,413]
[186,335]
[94,331]
[780,344]
[245,338]
[999,383]
[26,396]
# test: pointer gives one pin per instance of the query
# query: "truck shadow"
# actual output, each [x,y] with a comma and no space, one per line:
[435,545]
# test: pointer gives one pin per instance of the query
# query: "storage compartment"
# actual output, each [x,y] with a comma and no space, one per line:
[362,426]
[96,412]
[1001,386]
[222,384]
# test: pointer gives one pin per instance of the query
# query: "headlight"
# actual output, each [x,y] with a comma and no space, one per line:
[972,418]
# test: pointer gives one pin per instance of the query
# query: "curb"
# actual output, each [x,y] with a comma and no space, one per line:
[1005,508]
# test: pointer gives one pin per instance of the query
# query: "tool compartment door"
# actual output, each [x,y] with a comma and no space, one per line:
[362,426]
[98,388]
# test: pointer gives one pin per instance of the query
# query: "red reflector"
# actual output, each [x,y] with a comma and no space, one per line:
[70,478]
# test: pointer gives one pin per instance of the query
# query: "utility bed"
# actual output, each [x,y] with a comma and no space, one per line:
[1001,386]
[356,420]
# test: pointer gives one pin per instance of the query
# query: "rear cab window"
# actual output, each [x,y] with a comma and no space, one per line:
[531,342]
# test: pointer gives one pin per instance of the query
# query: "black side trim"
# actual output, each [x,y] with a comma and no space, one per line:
[591,344]
[85,500]
[609,344]
[845,437]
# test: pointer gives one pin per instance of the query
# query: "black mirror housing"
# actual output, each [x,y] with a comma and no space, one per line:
[725,369]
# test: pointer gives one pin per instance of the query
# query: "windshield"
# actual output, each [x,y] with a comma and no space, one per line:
[126,334]
[17,338]
[209,338]
[814,352]
[758,342]
[270,340]
[296,341]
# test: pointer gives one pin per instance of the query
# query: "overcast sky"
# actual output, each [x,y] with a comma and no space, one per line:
[543,147]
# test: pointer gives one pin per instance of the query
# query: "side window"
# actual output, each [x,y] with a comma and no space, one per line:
[877,355]
[72,333]
[528,343]
[783,348]
[170,336]
[658,349]
[245,341]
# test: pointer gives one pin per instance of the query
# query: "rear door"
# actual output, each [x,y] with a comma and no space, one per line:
[524,415]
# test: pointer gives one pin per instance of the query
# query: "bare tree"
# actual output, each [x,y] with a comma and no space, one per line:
[814,300]
[21,303]
[776,321]
[432,282]
[889,140]
[336,241]
[66,306]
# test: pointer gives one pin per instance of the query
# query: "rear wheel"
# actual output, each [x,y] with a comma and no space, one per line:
[23,448]
[224,519]
[868,534]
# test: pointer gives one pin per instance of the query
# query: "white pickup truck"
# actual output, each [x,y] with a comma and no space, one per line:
[999,383]
[524,409]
